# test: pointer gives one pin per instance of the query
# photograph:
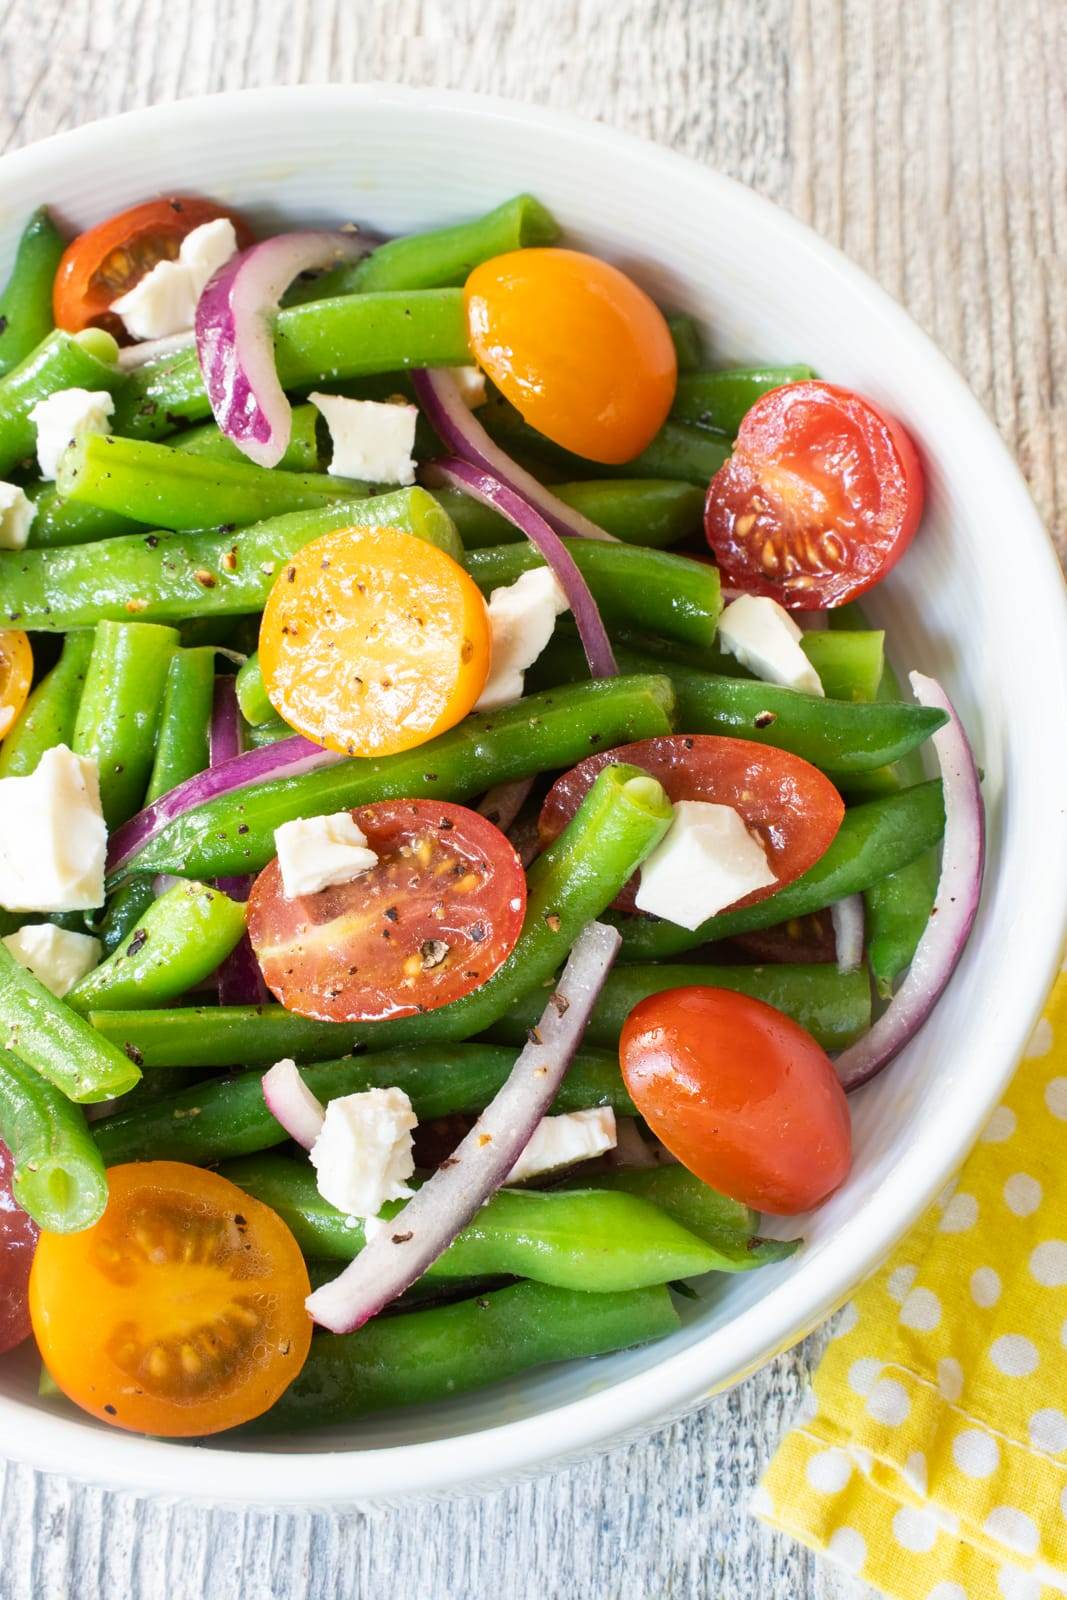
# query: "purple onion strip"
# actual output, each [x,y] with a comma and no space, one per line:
[401,1252]
[291,1102]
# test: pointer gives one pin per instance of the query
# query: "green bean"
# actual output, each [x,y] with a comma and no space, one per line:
[323,342]
[163,577]
[180,940]
[874,839]
[234,833]
[124,911]
[251,695]
[834,1007]
[688,343]
[442,257]
[61,521]
[690,454]
[184,719]
[47,1035]
[26,302]
[269,732]
[60,361]
[646,511]
[849,663]
[228,1117]
[670,595]
[422,1356]
[724,1223]
[577,1238]
[51,711]
[58,1176]
[119,710]
[838,736]
[898,906]
[166,488]
[719,400]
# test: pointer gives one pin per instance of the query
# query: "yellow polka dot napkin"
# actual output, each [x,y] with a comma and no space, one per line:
[931,1458]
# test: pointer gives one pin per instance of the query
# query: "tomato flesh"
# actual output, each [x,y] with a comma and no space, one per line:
[16,675]
[792,807]
[576,346]
[741,1094]
[104,262]
[196,1294]
[18,1238]
[820,498]
[437,916]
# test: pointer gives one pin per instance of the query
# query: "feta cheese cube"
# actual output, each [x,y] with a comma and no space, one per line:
[372,439]
[363,1156]
[317,852]
[17,512]
[65,416]
[57,958]
[470,381]
[521,618]
[53,838]
[706,860]
[766,640]
[564,1140]
[164,300]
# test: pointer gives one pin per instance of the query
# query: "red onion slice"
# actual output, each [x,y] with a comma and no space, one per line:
[481,485]
[399,1254]
[238,979]
[235,338]
[847,918]
[958,892]
[291,1102]
[285,759]
[224,734]
[460,431]
[503,804]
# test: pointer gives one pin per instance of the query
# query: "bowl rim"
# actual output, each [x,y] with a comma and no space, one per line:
[629,1406]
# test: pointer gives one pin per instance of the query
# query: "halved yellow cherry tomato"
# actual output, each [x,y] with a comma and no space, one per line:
[373,641]
[576,346]
[179,1313]
[16,675]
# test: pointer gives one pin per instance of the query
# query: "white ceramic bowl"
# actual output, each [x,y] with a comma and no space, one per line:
[994,629]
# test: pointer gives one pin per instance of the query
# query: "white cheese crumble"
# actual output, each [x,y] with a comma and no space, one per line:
[53,838]
[64,417]
[164,300]
[317,852]
[706,860]
[562,1141]
[521,618]
[363,1156]
[56,957]
[470,381]
[372,439]
[766,640]
[17,512]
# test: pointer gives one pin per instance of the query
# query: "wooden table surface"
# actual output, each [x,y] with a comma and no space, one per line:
[925,137]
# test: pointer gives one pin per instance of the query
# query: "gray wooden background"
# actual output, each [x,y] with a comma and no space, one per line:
[928,139]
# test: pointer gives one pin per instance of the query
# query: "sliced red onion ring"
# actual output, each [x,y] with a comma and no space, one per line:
[146,350]
[238,979]
[291,1102]
[503,804]
[847,918]
[285,759]
[481,485]
[460,431]
[235,339]
[958,892]
[400,1253]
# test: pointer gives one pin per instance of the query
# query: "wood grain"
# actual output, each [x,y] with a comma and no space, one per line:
[928,139]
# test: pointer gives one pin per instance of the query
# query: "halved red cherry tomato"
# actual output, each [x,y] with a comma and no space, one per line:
[181,1312]
[573,342]
[433,920]
[18,1238]
[107,260]
[788,803]
[809,938]
[819,500]
[741,1094]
